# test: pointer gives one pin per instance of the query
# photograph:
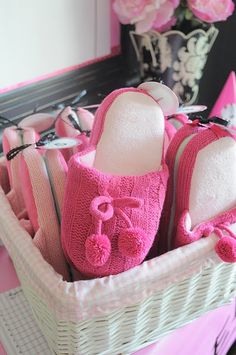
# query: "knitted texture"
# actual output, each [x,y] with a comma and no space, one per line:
[43,180]
[180,187]
[180,136]
[100,209]
[225,247]
[12,138]
[113,204]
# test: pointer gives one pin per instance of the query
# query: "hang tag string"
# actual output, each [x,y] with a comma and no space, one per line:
[13,152]
[44,140]
[6,120]
[74,123]
[204,121]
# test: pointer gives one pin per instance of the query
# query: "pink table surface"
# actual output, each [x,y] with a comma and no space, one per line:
[211,334]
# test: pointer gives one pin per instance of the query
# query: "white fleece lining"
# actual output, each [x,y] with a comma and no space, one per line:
[132,138]
[213,184]
[88,159]
[177,124]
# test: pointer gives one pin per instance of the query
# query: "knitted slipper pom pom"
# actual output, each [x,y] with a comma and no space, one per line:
[97,249]
[226,249]
[133,242]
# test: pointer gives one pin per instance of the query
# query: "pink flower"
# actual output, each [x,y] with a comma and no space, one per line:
[211,10]
[164,19]
[175,3]
[145,24]
[132,11]
[167,26]
[139,12]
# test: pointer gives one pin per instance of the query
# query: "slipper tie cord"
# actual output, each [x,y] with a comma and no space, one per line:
[226,245]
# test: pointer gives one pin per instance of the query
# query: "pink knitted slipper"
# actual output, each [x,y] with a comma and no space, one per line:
[201,196]
[43,175]
[174,150]
[215,193]
[14,137]
[114,196]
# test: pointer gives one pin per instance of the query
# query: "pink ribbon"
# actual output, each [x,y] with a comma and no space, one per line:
[103,208]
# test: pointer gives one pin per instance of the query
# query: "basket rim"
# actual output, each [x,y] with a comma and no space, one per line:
[123,289]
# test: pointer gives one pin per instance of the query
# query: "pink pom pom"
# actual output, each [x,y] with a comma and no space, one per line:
[226,249]
[97,249]
[134,243]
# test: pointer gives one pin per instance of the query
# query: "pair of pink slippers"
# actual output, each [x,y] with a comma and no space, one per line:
[27,132]
[116,189]
[37,180]
[43,176]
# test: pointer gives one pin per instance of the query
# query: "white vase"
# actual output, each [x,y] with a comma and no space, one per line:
[175,58]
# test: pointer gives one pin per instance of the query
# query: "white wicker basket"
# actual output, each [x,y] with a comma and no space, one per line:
[122,313]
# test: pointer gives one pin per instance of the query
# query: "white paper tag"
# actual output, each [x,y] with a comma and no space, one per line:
[191,109]
[62,143]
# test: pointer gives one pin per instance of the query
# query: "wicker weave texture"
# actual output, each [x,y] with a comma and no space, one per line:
[207,284]
[135,326]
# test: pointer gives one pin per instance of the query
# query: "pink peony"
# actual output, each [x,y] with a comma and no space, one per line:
[167,26]
[175,3]
[164,19]
[139,12]
[145,24]
[211,10]
[132,11]
[146,14]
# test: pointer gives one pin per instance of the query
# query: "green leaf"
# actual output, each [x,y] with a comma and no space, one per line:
[188,14]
